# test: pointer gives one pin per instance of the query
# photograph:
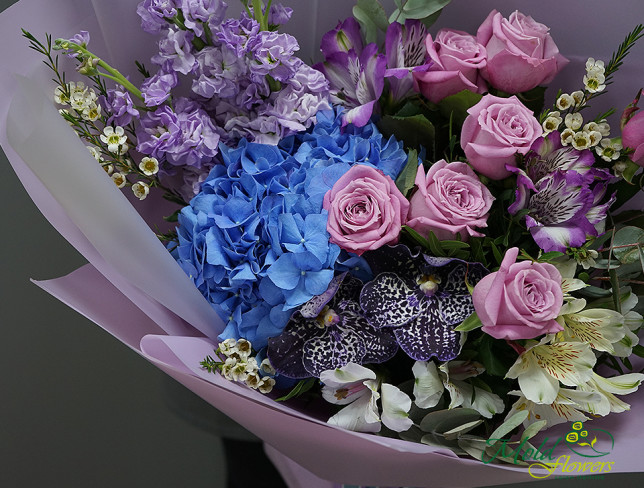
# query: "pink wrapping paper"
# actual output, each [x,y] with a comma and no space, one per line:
[172,336]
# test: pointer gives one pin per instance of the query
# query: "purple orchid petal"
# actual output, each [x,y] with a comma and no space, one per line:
[336,348]
[428,336]
[314,306]
[388,301]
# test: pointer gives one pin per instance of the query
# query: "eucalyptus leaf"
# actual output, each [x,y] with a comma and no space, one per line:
[509,425]
[456,432]
[626,243]
[444,420]
[416,9]
[372,17]
[533,429]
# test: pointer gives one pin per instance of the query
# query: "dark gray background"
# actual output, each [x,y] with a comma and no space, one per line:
[78,408]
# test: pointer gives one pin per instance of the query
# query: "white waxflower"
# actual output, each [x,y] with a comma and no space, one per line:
[552,122]
[565,101]
[574,121]
[593,66]
[140,190]
[266,384]
[251,366]
[253,380]
[581,140]
[60,97]
[114,138]
[92,112]
[267,368]
[119,179]
[578,97]
[609,149]
[244,348]
[149,166]
[618,168]
[594,81]
[566,136]
[594,136]
[95,153]
[228,346]
[587,258]
[108,168]
[604,128]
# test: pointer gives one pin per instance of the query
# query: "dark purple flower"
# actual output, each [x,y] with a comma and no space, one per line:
[563,194]
[406,54]
[120,106]
[421,298]
[356,82]
[157,89]
[154,13]
[328,332]
[199,12]
[176,47]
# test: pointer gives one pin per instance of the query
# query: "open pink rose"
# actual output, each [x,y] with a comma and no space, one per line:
[450,199]
[456,60]
[519,301]
[495,130]
[520,52]
[366,210]
[633,137]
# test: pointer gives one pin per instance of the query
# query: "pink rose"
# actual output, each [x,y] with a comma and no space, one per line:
[519,301]
[495,130]
[520,52]
[366,210]
[633,137]
[457,58]
[450,199]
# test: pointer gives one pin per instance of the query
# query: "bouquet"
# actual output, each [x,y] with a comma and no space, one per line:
[407,238]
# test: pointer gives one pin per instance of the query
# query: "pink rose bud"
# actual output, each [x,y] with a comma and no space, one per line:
[519,301]
[495,130]
[366,210]
[456,59]
[520,53]
[450,199]
[633,137]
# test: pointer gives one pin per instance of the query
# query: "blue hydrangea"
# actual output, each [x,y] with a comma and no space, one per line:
[254,239]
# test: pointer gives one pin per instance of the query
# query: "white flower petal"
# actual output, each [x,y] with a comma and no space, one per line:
[395,408]
[359,416]
[428,386]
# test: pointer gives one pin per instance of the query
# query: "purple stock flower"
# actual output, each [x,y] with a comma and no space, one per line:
[328,332]
[154,13]
[421,298]
[120,106]
[238,34]
[279,14]
[274,55]
[220,72]
[406,54]
[157,132]
[356,81]
[562,192]
[176,47]
[157,88]
[199,12]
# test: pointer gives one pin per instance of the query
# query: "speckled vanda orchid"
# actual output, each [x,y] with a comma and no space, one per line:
[421,298]
[406,54]
[360,389]
[355,74]
[431,382]
[330,332]
[563,194]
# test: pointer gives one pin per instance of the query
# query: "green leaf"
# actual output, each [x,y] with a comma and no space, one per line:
[424,243]
[415,131]
[533,429]
[417,9]
[300,388]
[534,99]
[457,105]
[509,425]
[407,177]
[372,17]
[446,420]
[174,217]
[490,358]
[435,245]
[638,350]
[626,244]
[470,323]
[629,172]
[549,256]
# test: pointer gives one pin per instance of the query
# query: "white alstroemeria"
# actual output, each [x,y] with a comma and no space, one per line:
[569,283]
[119,179]
[114,138]
[565,101]
[149,166]
[581,140]
[542,366]
[597,327]
[357,387]
[574,121]
[567,407]
[632,323]
[587,258]
[552,122]
[607,388]
[140,190]
[609,149]
[431,382]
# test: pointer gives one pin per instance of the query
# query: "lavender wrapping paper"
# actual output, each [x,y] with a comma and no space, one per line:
[335,455]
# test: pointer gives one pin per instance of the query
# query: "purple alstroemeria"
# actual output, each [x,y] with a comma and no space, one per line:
[329,332]
[421,299]
[345,37]
[406,54]
[356,82]
[562,192]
